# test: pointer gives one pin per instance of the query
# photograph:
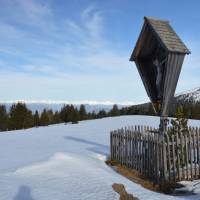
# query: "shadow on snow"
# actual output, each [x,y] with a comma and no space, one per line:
[24,193]
[98,148]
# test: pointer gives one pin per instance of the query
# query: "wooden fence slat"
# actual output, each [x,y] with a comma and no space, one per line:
[194,153]
[134,150]
[198,150]
[174,159]
[190,155]
[164,161]
[140,153]
[121,146]
[186,156]
[118,146]
[182,156]
[168,158]
[178,157]
[130,148]
[151,157]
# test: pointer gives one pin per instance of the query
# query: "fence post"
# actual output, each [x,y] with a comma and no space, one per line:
[190,154]
[168,158]
[173,157]
[111,145]
[177,156]
[186,155]
[194,153]
[182,157]
[198,149]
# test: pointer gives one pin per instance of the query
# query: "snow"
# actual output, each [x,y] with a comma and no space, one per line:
[66,162]
[192,187]
[193,95]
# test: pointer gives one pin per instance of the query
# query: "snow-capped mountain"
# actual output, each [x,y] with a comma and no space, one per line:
[90,106]
[189,96]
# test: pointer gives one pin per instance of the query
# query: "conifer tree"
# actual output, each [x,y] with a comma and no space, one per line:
[28,120]
[180,123]
[3,118]
[56,118]
[36,119]
[101,114]
[115,111]
[82,112]
[65,113]
[17,116]
[50,115]
[73,114]
[44,118]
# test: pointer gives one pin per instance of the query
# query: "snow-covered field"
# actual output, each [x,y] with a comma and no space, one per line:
[66,162]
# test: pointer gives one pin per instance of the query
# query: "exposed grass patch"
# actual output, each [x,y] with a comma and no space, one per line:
[124,195]
[133,175]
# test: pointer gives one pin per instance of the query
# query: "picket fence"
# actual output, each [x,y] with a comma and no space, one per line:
[173,159]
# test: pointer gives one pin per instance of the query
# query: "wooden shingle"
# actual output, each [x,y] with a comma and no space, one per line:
[167,35]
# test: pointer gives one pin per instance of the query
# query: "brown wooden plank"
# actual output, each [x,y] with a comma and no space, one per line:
[186,155]
[178,156]
[137,146]
[132,148]
[118,146]
[164,160]
[182,156]
[140,142]
[129,132]
[121,146]
[168,158]
[194,153]
[125,148]
[190,153]
[198,151]
[157,159]
[173,159]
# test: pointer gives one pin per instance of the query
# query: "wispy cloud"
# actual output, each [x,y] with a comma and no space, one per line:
[26,12]
[72,45]
[33,9]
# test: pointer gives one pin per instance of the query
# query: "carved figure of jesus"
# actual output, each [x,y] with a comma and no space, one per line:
[158,77]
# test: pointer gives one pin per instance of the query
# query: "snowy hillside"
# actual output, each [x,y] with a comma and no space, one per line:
[66,162]
[191,95]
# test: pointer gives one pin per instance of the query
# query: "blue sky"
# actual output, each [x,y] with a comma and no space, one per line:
[80,49]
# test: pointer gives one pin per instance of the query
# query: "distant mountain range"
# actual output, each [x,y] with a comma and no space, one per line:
[188,96]
[90,106]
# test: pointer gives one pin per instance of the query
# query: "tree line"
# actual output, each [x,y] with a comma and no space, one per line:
[20,117]
[191,109]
